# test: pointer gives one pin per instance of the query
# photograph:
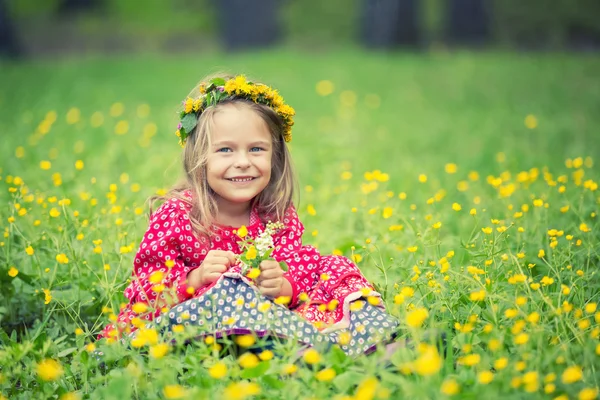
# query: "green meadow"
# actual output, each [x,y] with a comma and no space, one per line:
[464,186]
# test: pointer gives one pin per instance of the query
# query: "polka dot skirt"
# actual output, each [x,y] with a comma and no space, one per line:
[232,307]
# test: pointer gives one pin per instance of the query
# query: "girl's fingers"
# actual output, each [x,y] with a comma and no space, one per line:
[270,283]
[269,264]
[232,258]
[220,260]
[271,273]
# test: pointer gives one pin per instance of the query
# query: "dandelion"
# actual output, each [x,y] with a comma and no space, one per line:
[477,295]
[366,389]
[12,272]
[49,370]
[456,207]
[572,374]
[251,253]
[451,168]
[533,318]
[546,281]
[289,369]
[429,362]
[521,338]
[588,394]
[590,308]
[248,360]
[501,363]
[416,317]
[47,296]
[485,377]
[242,231]
[245,340]
[156,277]
[584,228]
[159,350]
[311,356]
[326,375]
[253,273]
[450,387]
[470,360]
[174,392]
[218,371]
[387,212]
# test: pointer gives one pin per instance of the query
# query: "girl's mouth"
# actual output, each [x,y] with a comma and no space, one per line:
[241,179]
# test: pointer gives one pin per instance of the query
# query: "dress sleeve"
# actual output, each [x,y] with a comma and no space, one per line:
[159,275]
[302,261]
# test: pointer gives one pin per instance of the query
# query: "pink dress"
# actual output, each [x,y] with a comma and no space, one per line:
[323,286]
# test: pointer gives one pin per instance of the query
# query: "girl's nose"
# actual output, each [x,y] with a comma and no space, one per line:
[242,161]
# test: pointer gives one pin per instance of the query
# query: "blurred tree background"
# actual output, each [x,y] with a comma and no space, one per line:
[50,26]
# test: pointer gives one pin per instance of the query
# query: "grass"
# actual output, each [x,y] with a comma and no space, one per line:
[510,138]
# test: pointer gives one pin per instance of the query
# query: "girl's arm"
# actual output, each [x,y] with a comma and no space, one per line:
[165,256]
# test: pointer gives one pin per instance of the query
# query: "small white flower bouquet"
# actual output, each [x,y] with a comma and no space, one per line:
[255,251]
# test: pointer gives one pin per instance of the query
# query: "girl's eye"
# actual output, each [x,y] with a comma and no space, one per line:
[256,149]
[224,150]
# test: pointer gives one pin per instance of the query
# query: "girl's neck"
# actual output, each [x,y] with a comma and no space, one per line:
[233,214]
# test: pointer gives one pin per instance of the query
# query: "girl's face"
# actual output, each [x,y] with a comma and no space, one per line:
[239,161]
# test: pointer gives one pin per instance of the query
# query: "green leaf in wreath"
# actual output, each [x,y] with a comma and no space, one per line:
[188,123]
[218,81]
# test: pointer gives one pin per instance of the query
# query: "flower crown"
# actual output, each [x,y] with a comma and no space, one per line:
[219,89]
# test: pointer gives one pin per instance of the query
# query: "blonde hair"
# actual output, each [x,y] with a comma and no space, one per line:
[271,203]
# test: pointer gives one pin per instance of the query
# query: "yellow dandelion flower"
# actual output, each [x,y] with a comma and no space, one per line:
[242,231]
[311,356]
[450,387]
[218,371]
[588,394]
[572,374]
[428,363]
[12,272]
[253,273]
[416,317]
[470,360]
[289,369]
[49,370]
[248,360]
[245,340]
[251,253]
[174,392]
[326,375]
[485,377]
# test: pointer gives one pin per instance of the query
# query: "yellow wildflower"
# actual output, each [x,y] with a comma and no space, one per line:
[49,370]
[416,317]
[218,371]
[572,374]
[326,375]
[242,231]
[251,253]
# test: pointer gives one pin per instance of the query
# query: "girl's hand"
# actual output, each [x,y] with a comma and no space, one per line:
[270,282]
[215,263]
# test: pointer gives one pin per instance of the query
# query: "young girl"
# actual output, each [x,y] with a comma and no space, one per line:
[239,178]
